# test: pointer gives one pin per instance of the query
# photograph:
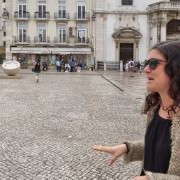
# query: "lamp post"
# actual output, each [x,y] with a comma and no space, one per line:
[5,15]
[94,42]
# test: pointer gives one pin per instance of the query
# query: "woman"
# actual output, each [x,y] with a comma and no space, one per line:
[37,69]
[160,152]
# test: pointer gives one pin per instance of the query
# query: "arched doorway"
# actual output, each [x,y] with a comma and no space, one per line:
[128,40]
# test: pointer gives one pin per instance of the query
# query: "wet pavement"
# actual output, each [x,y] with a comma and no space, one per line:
[47,129]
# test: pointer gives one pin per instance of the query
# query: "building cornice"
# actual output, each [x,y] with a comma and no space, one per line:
[120,12]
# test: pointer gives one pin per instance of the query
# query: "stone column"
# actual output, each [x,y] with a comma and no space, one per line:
[105,65]
[121,65]
[137,50]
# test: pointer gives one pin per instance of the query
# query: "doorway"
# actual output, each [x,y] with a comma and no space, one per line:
[126,52]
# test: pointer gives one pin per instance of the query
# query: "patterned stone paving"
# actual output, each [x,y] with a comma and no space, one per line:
[47,128]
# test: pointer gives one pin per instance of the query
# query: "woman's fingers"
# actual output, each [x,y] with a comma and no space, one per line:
[114,157]
[103,148]
[116,151]
[111,161]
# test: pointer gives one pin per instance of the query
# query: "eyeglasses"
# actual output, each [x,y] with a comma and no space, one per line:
[153,62]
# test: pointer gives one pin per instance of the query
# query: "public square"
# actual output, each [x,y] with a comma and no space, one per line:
[47,129]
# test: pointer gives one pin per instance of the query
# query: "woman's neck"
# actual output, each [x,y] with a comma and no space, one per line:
[166,101]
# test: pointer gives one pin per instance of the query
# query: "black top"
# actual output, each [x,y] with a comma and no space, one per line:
[157,151]
[38,67]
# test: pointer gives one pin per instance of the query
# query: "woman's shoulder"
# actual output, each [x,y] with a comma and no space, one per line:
[176,118]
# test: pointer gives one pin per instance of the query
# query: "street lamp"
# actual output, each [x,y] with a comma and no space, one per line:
[5,14]
[94,19]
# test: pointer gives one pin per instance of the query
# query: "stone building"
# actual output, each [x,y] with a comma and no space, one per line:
[48,30]
[100,33]
[127,29]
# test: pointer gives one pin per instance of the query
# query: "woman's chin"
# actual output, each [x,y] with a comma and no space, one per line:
[150,88]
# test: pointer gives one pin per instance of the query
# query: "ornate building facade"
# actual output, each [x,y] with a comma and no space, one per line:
[99,33]
[127,29]
[48,30]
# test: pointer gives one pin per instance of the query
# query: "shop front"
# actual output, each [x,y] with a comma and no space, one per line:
[29,55]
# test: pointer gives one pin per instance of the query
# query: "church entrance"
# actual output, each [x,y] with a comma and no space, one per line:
[126,52]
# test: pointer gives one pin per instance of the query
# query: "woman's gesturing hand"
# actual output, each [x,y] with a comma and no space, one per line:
[139,178]
[115,151]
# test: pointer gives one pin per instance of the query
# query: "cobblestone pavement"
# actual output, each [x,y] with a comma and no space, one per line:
[47,129]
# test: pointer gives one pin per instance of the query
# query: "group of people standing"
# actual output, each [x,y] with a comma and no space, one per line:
[60,65]
[132,67]
[65,66]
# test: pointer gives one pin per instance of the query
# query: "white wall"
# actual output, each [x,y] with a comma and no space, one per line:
[110,51]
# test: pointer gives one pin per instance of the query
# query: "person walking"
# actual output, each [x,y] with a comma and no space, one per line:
[37,69]
[160,149]
[58,65]
[126,66]
[138,66]
[131,68]
[72,64]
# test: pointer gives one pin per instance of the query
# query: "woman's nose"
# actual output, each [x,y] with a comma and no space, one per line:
[147,69]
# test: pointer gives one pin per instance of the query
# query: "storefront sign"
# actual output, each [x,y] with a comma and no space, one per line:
[30,50]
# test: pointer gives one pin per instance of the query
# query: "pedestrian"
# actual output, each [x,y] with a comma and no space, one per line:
[131,67]
[63,65]
[160,149]
[138,66]
[45,66]
[58,65]
[37,69]
[126,66]
[72,64]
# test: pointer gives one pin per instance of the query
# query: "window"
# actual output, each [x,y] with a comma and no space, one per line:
[173,27]
[81,10]
[61,33]
[42,32]
[42,9]
[127,2]
[22,32]
[22,8]
[81,33]
[61,9]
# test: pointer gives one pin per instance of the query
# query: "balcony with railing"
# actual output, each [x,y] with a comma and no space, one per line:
[41,40]
[84,16]
[82,41]
[59,41]
[21,15]
[21,40]
[42,15]
[61,16]
[161,6]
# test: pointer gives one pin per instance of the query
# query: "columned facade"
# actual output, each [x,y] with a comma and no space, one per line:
[128,29]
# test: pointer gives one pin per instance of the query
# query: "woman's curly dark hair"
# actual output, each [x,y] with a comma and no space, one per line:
[171,52]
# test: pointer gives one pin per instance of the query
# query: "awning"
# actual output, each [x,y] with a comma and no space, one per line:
[32,50]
